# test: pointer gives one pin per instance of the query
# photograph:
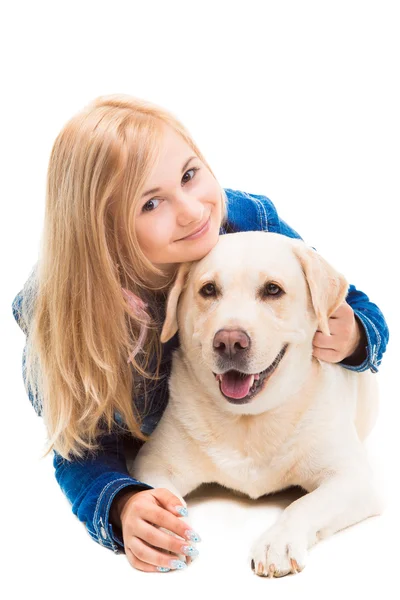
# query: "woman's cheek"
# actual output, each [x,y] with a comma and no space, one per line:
[158,238]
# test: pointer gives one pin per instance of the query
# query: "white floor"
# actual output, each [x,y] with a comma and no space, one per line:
[47,550]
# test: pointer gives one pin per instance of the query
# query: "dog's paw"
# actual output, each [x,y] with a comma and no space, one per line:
[278,552]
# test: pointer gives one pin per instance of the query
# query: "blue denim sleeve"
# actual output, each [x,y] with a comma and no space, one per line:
[90,484]
[284,229]
[376,332]
[369,317]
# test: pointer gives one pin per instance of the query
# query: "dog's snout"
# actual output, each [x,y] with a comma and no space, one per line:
[228,342]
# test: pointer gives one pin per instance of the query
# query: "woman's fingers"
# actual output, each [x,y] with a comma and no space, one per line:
[153,556]
[138,564]
[163,518]
[157,538]
[169,501]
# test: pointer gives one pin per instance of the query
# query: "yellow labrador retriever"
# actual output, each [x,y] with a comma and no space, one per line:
[250,408]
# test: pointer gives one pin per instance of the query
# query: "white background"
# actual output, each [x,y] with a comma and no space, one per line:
[295,100]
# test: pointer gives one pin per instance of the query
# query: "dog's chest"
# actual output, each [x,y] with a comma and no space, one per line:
[253,460]
[246,474]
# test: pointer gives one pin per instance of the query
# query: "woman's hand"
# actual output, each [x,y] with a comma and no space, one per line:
[347,338]
[139,515]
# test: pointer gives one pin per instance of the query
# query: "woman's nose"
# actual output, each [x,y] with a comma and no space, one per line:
[189,210]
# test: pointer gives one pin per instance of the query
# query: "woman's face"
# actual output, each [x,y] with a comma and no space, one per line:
[180,198]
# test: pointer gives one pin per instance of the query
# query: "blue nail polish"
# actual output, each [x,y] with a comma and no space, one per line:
[190,551]
[163,569]
[182,510]
[178,564]
[192,535]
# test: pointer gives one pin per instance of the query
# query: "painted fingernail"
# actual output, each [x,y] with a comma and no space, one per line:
[163,569]
[182,510]
[177,564]
[190,551]
[192,536]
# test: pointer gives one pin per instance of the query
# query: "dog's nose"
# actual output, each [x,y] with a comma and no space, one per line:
[229,342]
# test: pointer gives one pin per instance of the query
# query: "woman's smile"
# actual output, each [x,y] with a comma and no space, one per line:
[198,232]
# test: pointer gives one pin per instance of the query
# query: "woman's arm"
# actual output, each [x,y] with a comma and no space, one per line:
[372,325]
[91,484]
[375,333]
[254,212]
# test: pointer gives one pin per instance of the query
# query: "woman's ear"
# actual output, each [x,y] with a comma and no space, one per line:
[328,287]
[170,326]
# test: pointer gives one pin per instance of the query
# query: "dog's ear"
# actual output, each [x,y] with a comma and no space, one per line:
[170,326]
[328,287]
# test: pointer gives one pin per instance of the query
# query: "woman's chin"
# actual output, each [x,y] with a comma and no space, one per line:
[202,248]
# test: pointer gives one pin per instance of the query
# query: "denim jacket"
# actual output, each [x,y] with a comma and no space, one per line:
[91,484]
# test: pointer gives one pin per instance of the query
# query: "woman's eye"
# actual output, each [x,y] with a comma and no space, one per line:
[194,169]
[208,290]
[152,204]
[149,206]
[271,289]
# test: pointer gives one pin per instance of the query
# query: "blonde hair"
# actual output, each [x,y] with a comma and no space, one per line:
[81,327]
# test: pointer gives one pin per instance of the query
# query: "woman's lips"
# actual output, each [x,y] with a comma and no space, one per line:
[203,229]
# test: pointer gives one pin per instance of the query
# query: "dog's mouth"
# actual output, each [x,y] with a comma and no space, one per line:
[240,388]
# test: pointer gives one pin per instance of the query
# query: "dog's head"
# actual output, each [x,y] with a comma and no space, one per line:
[249,311]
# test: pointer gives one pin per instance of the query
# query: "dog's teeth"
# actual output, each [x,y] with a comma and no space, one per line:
[252,380]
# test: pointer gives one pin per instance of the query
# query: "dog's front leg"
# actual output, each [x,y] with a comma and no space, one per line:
[151,467]
[155,473]
[340,500]
[155,466]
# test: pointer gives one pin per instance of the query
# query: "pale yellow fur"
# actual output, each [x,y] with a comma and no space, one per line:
[305,428]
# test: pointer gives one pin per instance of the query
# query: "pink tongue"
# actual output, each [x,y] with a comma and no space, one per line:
[234,385]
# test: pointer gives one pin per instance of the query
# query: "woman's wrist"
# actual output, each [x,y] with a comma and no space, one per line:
[118,504]
[360,353]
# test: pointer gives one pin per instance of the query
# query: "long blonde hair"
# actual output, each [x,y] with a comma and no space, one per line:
[81,326]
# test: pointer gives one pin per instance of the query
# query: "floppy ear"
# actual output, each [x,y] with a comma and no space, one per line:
[328,287]
[170,326]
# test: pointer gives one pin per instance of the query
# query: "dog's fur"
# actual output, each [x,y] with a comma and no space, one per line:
[306,425]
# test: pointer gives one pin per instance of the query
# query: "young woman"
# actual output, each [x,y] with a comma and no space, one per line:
[130,197]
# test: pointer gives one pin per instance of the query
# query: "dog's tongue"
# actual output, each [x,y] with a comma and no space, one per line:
[235,385]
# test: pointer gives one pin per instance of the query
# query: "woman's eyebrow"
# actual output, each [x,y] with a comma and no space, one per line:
[155,190]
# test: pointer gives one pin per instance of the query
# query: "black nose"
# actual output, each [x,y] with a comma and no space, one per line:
[229,343]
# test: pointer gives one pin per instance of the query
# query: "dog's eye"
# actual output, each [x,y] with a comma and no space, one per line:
[208,290]
[271,289]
